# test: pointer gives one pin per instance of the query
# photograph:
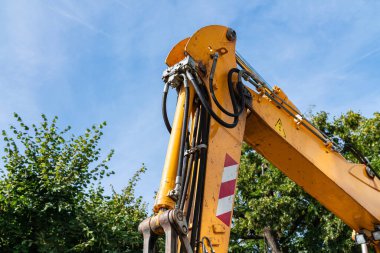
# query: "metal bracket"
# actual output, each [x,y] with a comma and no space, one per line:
[172,223]
[178,222]
[298,120]
[176,192]
[195,149]
[370,172]
[172,75]
[150,237]
[248,98]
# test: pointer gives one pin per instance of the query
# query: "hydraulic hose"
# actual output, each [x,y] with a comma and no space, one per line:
[239,88]
[202,168]
[197,211]
[230,88]
[206,104]
[358,155]
[163,108]
[191,159]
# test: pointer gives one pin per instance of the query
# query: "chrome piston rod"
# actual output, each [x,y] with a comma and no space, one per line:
[247,67]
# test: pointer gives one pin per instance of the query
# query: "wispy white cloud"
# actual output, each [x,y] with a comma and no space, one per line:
[78,20]
[312,49]
[355,61]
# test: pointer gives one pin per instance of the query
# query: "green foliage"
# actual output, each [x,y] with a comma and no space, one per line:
[51,199]
[353,128]
[267,198]
[112,222]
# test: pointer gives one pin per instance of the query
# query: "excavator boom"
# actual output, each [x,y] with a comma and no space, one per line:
[223,101]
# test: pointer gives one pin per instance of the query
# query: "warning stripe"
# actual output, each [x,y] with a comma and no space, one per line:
[225,205]
[230,173]
[227,190]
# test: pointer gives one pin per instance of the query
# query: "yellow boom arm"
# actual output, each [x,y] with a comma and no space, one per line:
[195,201]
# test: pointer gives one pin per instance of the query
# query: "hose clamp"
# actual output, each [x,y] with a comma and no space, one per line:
[195,149]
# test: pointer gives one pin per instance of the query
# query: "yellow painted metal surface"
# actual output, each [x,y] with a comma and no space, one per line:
[177,53]
[341,186]
[222,141]
[169,171]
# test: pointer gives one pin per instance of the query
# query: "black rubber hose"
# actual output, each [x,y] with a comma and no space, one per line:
[192,187]
[230,88]
[163,108]
[239,88]
[191,160]
[358,155]
[196,161]
[195,180]
[203,168]
[207,106]
[199,184]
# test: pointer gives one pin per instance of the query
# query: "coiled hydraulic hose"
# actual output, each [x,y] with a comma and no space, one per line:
[207,106]
[230,88]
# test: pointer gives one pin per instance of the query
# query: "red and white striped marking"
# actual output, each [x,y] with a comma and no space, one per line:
[227,190]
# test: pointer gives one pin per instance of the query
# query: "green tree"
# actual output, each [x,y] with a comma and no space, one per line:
[114,221]
[51,199]
[266,198]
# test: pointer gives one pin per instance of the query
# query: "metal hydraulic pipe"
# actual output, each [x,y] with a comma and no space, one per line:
[247,67]
[364,248]
[258,78]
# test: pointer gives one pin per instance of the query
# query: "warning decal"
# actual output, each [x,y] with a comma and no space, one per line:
[227,190]
[279,128]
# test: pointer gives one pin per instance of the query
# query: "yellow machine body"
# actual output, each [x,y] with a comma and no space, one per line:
[341,186]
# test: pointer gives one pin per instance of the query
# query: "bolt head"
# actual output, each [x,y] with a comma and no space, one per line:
[179,216]
[231,34]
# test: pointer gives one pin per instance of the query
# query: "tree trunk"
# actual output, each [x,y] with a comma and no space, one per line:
[272,240]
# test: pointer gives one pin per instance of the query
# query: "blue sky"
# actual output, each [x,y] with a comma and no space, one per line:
[89,61]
